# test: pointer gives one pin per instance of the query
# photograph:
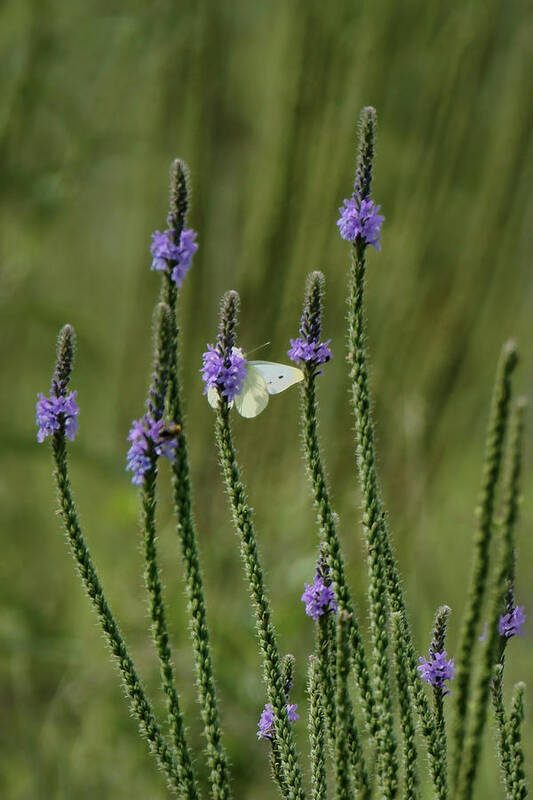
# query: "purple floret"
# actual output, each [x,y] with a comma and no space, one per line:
[312,352]
[319,597]
[176,257]
[213,363]
[266,720]
[228,377]
[51,411]
[437,669]
[149,439]
[510,624]
[360,220]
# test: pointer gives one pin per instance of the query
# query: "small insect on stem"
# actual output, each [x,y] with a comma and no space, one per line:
[171,430]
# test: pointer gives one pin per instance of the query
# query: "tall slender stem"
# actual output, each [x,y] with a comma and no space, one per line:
[243,521]
[139,703]
[495,644]
[373,524]
[220,781]
[333,553]
[491,472]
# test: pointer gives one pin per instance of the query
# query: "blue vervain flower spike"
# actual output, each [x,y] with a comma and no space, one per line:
[500,625]
[383,569]
[219,773]
[491,473]
[59,411]
[266,724]
[154,415]
[150,436]
[373,515]
[139,703]
[173,249]
[307,349]
[317,353]
[243,522]
[437,670]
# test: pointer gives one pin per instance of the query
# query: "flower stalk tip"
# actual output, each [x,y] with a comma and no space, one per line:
[307,347]
[179,196]
[438,668]
[319,597]
[58,411]
[224,364]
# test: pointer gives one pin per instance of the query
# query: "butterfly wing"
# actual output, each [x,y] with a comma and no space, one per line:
[254,395]
[277,377]
[213,397]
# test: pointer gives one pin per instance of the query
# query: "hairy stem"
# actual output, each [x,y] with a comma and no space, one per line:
[139,703]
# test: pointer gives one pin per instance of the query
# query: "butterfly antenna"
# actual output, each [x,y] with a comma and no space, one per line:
[259,347]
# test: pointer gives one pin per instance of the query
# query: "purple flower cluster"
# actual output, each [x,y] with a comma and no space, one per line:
[308,347]
[266,721]
[312,352]
[437,669]
[54,410]
[176,257]
[319,597]
[149,438]
[227,376]
[360,219]
[510,624]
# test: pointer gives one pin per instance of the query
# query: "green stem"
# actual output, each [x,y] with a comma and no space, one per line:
[373,525]
[411,791]
[243,521]
[216,756]
[491,473]
[516,718]
[495,644]
[326,664]
[156,407]
[333,553]
[185,527]
[342,756]
[139,703]
[502,734]
[379,546]
[317,733]
[160,632]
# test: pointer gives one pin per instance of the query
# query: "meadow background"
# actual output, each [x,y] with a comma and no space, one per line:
[261,100]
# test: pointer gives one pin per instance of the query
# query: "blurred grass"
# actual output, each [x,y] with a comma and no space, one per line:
[261,101]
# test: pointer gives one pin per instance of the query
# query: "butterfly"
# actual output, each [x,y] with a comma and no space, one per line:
[263,378]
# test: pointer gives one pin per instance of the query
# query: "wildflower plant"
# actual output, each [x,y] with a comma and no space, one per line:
[374,730]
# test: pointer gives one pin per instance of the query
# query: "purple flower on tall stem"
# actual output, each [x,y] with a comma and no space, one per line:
[510,624]
[174,257]
[228,374]
[150,439]
[312,352]
[308,347]
[266,720]
[360,219]
[319,597]
[54,410]
[437,669]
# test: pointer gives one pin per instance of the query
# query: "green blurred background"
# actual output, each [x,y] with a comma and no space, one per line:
[261,100]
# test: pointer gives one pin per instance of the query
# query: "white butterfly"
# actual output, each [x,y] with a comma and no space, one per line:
[263,378]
